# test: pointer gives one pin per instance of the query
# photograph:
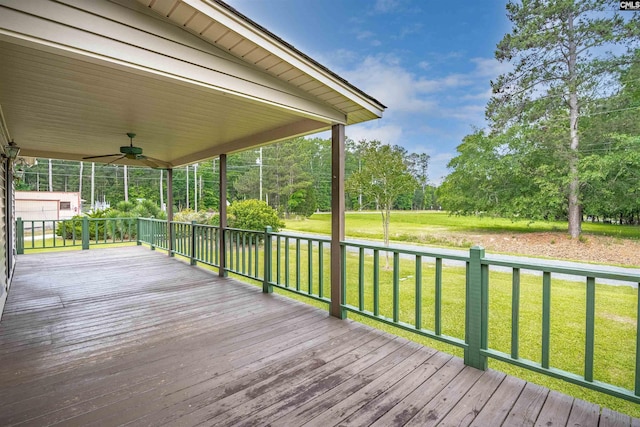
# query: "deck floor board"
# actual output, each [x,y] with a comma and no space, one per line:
[129,336]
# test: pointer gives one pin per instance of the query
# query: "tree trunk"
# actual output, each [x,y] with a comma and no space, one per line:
[575,215]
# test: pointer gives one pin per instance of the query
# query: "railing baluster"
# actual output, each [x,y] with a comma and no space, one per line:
[297,264]
[546,317]
[396,287]
[343,279]
[257,256]
[244,250]
[376,282]
[637,384]
[230,240]
[237,250]
[515,313]
[361,279]
[217,238]
[286,262]
[590,332]
[310,267]
[418,292]
[438,297]
[279,259]
[320,270]
[250,257]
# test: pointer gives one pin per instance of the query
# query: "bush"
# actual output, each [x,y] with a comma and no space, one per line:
[123,228]
[189,215]
[253,215]
[66,229]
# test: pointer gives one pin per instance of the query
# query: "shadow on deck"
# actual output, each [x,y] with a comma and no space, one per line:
[127,335]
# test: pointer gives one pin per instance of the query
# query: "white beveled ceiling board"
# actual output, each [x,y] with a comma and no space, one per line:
[75,76]
[114,42]
[87,109]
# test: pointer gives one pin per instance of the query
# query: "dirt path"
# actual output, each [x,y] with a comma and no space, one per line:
[556,245]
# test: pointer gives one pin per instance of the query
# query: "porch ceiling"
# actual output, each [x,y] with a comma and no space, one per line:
[76,76]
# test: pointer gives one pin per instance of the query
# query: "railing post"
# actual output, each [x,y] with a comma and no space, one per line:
[267,288]
[85,233]
[171,242]
[192,249]
[475,306]
[19,236]
[138,229]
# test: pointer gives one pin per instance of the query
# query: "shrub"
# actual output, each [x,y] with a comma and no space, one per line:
[189,215]
[253,215]
[66,229]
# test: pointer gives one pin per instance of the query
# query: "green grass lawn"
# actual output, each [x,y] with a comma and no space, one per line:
[408,226]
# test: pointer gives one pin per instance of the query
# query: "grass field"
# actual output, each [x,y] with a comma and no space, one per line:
[405,225]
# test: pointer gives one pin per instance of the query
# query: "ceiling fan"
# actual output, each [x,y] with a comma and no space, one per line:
[132,153]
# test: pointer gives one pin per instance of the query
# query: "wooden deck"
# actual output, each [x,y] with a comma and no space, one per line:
[129,336]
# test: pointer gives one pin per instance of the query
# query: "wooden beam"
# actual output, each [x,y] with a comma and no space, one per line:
[223,215]
[337,218]
[170,210]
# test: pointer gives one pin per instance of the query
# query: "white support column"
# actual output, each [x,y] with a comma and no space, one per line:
[337,218]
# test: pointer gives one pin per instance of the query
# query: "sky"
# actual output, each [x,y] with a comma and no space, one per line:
[430,62]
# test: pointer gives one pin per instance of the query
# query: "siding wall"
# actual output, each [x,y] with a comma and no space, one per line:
[6,243]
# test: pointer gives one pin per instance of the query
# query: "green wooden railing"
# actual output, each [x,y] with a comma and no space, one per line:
[275,259]
[400,287]
[81,232]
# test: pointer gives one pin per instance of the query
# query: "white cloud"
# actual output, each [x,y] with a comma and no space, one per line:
[470,114]
[425,65]
[384,6]
[481,96]
[363,35]
[387,133]
[490,67]
[384,78]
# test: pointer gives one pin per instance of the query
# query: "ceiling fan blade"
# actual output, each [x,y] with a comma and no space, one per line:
[155,163]
[104,155]
[115,160]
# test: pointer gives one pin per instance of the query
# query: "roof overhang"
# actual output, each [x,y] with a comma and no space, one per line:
[192,78]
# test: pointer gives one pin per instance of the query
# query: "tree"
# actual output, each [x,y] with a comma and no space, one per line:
[419,166]
[384,176]
[555,48]
[513,174]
